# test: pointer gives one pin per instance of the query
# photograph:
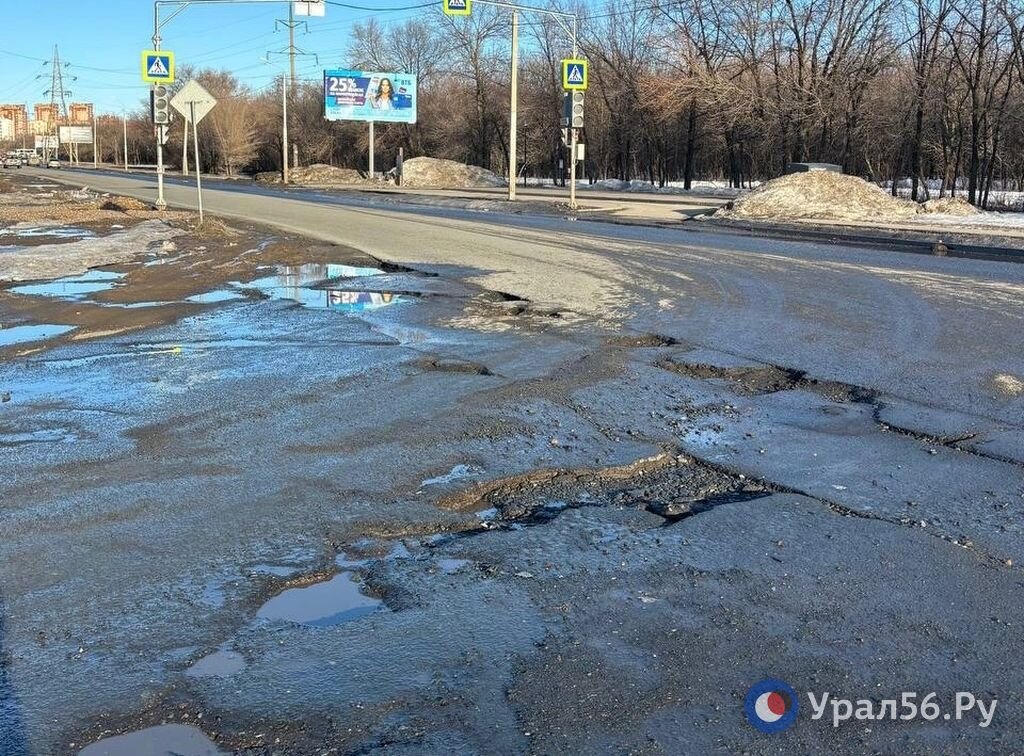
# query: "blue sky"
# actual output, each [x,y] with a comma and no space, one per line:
[103,46]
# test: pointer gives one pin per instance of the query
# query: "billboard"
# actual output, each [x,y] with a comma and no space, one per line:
[369,96]
[46,143]
[75,134]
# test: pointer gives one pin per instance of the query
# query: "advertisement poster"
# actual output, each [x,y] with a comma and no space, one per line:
[369,96]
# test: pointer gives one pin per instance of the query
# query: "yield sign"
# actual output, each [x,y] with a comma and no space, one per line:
[192,101]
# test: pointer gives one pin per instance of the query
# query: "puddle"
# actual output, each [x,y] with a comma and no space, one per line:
[369,546]
[326,604]
[451,566]
[10,248]
[218,295]
[177,739]
[73,288]
[217,664]
[457,473]
[309,285]
[21,334]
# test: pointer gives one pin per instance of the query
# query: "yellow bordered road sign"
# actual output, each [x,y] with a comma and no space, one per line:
[575,74]
[158,66]
[457,7]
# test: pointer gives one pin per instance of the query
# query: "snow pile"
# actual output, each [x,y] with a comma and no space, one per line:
[318,173]
[950,206]
[819,195]
[434,172]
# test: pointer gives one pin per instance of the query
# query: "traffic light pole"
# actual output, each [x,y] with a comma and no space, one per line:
[561,18]
[573,141]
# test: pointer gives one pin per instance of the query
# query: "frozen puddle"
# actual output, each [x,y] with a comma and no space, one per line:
[164,740]
[52,436]
[333,602]
[56,232]
[74,288]
[456,473]
[309,285]
[21,334]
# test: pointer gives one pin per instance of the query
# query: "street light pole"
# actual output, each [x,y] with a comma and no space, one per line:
[284,126]
[513,114]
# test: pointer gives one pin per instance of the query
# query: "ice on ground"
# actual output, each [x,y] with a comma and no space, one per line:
[819,195]
[50,261]
[1008,385]
[434,172]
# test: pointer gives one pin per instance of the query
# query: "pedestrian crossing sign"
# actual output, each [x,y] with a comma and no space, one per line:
[457,7]
[575,74]
[158,66]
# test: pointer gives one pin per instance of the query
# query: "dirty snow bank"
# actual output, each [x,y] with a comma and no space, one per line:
[49,261]
[950,206]
[318,173]
[819,195]
[434,172]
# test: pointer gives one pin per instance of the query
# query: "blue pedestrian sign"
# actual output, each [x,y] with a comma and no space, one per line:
[575,74]
[158,66]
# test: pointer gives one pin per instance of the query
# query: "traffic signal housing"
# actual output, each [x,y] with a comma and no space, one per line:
[160,104]
[576,113]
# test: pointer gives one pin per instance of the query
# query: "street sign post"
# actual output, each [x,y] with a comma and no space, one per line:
[158,66]
[194,103]
[457,7]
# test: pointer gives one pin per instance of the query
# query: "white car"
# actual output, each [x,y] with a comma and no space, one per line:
[53,163]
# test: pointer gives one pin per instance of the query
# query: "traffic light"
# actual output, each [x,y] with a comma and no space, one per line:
[160,104]
[576,114]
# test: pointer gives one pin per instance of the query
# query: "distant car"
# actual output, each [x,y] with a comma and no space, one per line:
[11,162]
[53,163]
[34,160]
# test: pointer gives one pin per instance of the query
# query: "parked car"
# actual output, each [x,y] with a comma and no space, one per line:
[53,163]
[11,162]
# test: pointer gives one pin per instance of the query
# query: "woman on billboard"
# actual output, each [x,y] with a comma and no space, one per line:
[384,99]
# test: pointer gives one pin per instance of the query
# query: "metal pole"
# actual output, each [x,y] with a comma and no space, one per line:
[95,144]
[161,203]
[124,117]
[513,115]
[291,39]
[199,172]
[572,169]
[372,172]
[284,126]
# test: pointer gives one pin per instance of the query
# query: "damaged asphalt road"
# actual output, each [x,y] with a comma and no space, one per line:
[559,493]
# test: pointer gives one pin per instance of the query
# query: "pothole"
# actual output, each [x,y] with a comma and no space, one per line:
[74,288]
[223,663]
[440,365]
[637,341]
[333,602]
[758,380]
[310,286]
[28,333]
[181,740]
